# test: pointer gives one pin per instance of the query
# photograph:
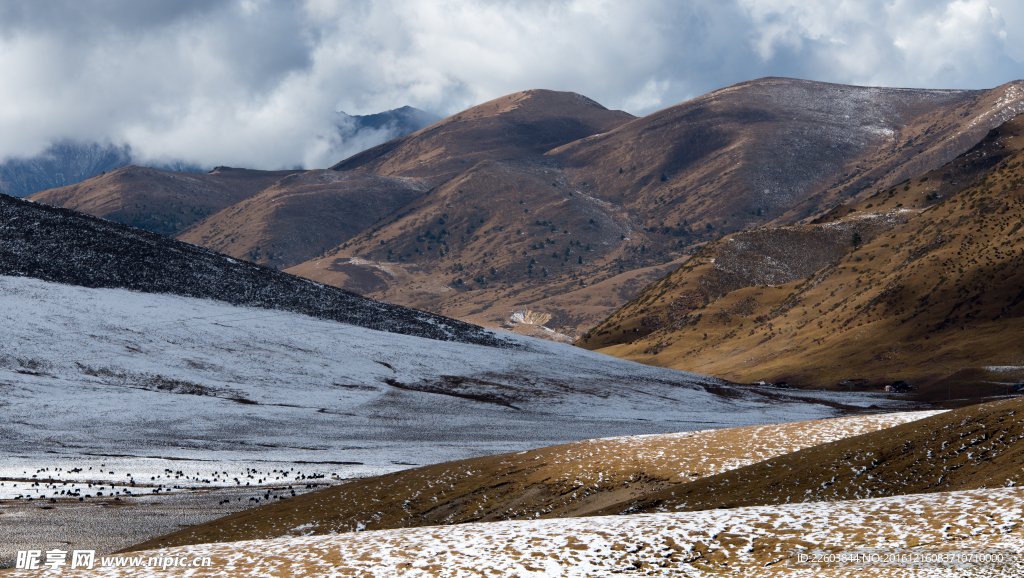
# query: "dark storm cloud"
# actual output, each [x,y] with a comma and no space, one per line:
[257,83]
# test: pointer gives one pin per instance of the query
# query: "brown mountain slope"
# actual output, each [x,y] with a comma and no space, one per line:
[521,124]
[748,153]
[302,215]
[559,481]
[970,448]
[846,302]
[502,235]
[160,201]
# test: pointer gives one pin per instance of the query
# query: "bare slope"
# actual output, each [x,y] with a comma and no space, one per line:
[567,480]
[849,303]
[971,448]
[499,237]
[160,201]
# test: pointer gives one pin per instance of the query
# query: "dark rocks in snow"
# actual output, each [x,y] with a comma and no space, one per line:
[65,246]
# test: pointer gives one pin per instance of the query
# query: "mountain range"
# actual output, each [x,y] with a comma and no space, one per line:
[543,212]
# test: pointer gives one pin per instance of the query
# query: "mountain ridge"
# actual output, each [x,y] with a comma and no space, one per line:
[547,202]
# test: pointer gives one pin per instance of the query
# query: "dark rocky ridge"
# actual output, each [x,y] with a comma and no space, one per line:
[64,246]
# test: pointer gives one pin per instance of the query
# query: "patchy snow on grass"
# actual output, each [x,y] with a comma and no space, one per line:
[754,541]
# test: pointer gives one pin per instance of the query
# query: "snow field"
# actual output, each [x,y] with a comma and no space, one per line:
[111,373]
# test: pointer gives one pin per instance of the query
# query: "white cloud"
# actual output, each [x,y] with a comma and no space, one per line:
[257,82]
[652,95]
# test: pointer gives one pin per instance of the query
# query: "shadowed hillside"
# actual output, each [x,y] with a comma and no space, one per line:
[302,215]
[68,247]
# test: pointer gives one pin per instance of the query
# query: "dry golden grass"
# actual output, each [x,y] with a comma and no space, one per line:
[302,215]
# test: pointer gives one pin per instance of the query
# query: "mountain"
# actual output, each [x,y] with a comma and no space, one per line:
[522,124]
[918,283]
[301,215]
[395,122]
[563,224]
[276,227]
[543,212]
[67,162]
[62,163]
[158,357]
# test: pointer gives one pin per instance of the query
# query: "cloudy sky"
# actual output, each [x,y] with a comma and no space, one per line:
[257,83]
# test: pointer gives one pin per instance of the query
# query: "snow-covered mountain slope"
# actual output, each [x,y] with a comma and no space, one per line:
[69,247]
[115,372]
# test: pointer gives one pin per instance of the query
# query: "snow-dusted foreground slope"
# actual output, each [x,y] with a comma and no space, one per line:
[756,541]
[89,374]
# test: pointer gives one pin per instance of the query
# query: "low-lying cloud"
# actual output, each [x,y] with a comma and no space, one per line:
[258,83]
